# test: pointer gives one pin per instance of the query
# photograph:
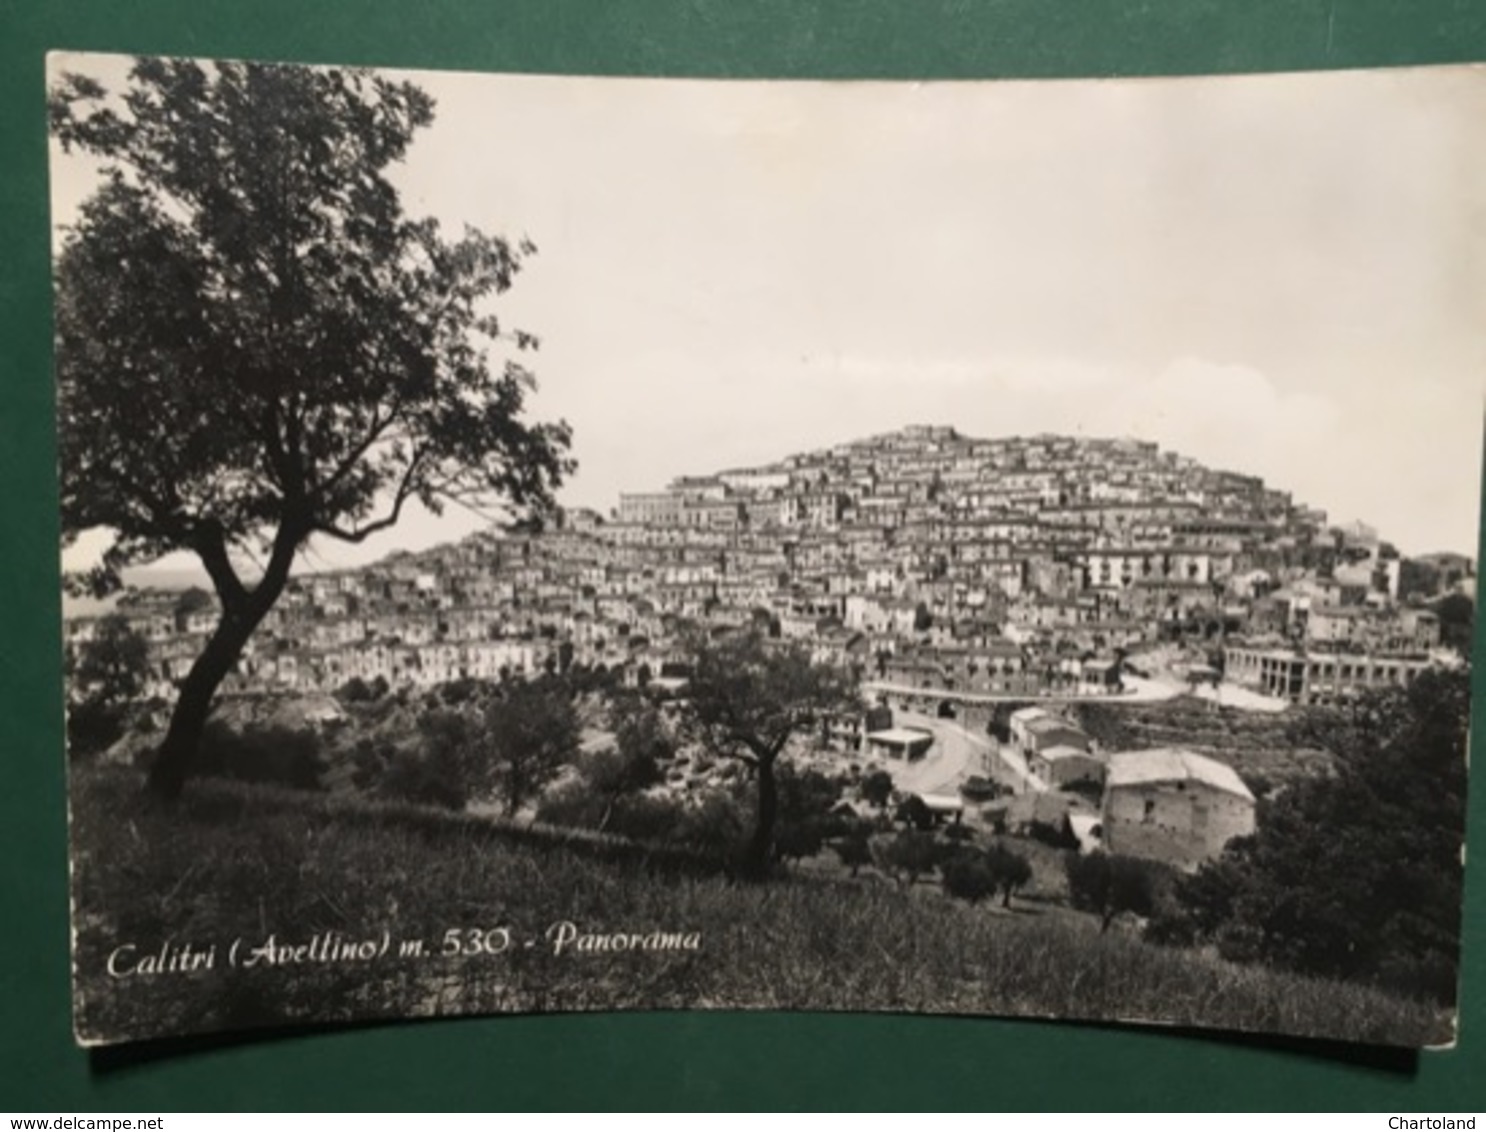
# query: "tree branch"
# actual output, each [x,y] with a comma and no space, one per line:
[405,489]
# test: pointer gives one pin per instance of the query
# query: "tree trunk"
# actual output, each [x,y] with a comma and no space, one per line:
[760,850]
[242,610]
[177,755]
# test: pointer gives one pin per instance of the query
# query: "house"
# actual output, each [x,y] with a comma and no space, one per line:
[1060,766]
[1017,724]
[1052,731]
[1172,805]
[905,743]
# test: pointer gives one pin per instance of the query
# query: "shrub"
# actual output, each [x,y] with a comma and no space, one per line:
[913,811]
[877,788]
[274,754]
[912,853]
[93,725]
[854,848]
[1059,836]
[969,876]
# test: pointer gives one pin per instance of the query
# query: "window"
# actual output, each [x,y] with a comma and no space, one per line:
[1150,811]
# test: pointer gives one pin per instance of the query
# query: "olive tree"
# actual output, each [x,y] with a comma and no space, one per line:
[746,698]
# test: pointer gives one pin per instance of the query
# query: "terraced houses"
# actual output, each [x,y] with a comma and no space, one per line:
[1012,566]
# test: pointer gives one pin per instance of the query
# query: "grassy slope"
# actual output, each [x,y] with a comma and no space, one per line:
[231,861]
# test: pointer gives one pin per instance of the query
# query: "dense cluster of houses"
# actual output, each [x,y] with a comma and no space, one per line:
[1012,566]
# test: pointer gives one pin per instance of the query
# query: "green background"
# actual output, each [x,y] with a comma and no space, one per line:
[731,1060]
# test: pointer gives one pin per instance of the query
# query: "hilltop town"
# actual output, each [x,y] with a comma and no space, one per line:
[1077,671]
[980,569]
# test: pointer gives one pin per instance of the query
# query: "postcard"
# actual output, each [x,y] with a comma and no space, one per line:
[540,544]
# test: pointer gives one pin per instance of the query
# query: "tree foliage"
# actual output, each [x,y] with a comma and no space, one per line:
[877,788]
[911,854]
[1360,875]
[1108,884]
[256,347]
[111,668]
[1457,614]
[104,676]
[527,734]
[974,874]
[747,697]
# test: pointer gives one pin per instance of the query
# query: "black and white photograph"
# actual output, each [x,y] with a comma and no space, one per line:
[540,544]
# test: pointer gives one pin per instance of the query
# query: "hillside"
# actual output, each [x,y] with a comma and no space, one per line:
[278,868]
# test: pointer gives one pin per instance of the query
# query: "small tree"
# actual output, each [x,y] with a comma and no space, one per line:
[912,853]
[747,698]
[113,666]
[969,876]
[877,788]
[853,847]
[805,801]
[632,764]
[1011,871]
[915,812]
[526,736]
[104,676]
[1108,884]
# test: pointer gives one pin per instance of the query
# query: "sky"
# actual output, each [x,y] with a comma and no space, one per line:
[1282,275]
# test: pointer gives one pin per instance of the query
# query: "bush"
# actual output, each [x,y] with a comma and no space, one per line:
[854,847]
[1058,836]
[969,876]
[422,778]
[877,788]
[912,853]
[914,811]
[272,754]
[93,725]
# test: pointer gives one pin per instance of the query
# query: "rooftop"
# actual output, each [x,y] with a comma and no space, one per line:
[1172,764]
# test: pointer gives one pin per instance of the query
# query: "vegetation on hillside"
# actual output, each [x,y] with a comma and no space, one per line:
[1360,875]
[236,861]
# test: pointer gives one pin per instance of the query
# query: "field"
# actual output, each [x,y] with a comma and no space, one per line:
[260,866]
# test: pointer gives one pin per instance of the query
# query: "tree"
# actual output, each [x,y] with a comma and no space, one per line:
[1457,614]
[193,599]
[437,771]
[912,853]
[923,620]
[113,666]
[806,798]
[527,735]
[256,347]
[104,675]
[1108,884]
[968,876]
[747,697]
[877,788]
[1011,870]
[914,811]
[975,874]
[854,846]
[641,744]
